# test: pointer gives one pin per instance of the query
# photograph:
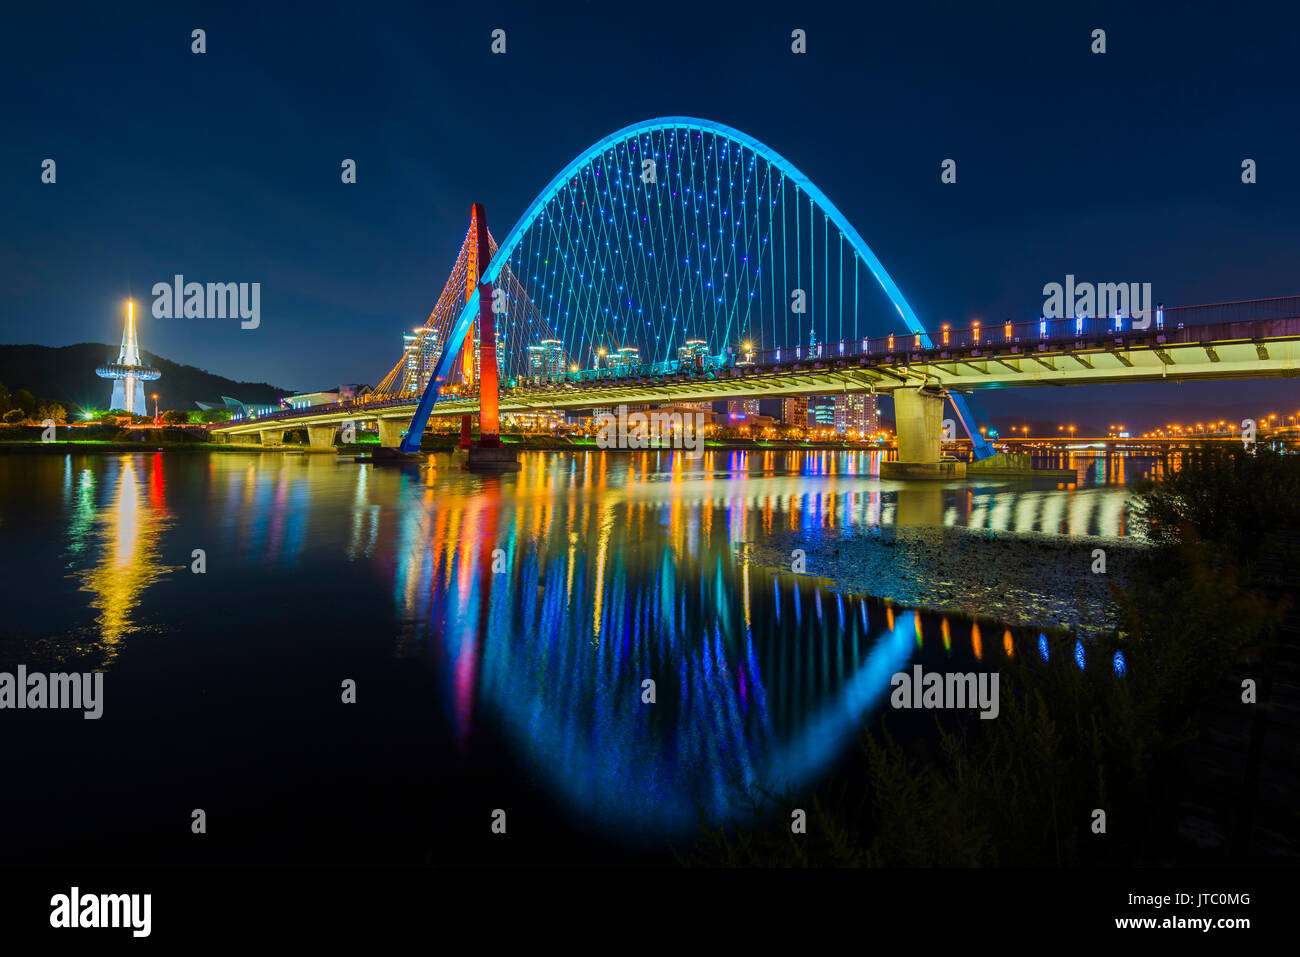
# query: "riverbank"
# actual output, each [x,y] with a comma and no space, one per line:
[118,448]
[1181,752]
[1038,581]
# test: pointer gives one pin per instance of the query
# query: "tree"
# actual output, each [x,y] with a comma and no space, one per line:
[215,415]
[14,416]
[175,417]
[6,401]
[24,400]
[52,410]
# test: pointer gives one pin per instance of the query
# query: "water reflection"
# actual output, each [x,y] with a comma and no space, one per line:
[127,531]
[549,598]
[541,602]
[551,629]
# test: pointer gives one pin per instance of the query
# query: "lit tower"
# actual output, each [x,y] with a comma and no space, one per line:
[489,454]
[128,373]
[466,363]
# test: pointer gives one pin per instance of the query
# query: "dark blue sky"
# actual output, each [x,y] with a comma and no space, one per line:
[225,166]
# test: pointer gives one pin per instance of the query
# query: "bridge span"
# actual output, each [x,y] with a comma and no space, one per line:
[682,260]
[1228,350]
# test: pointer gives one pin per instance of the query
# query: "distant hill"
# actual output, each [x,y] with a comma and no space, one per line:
[67,373]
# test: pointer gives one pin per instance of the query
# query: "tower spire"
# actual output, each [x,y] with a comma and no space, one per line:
[130,353]
[129,373]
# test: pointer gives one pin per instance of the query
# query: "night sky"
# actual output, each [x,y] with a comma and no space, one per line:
[225,166]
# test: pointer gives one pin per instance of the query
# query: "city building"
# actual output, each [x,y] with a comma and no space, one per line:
[545,360]
[538,420]
[688,410]
[423,349]
[821,412]
[741,411]
[252,411]
[693,354]
[535,363]
[236,408]
[307,400]
[855,412]
[552,357]
[625,360]
[794,411]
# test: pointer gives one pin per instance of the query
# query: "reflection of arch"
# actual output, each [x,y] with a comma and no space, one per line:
[456,335]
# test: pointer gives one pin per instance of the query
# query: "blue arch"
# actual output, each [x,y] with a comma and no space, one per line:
[411,443]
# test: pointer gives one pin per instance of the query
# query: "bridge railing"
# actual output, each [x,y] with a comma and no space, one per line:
[992,335]
[1250,310]
[1171,321]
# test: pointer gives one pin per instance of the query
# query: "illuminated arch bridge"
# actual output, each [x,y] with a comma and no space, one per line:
[682,260]
[667,245]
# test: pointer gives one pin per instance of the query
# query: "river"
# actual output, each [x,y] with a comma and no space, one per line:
[499,632]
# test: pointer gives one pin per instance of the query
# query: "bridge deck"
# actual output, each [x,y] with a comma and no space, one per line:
[1250,349]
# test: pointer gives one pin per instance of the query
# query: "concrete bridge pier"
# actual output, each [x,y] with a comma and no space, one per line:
[918,419]
[272,436]
[390,432]
[321,436]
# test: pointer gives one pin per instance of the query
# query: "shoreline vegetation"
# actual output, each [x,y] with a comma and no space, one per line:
[1213,593]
